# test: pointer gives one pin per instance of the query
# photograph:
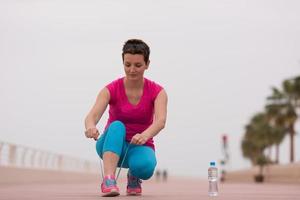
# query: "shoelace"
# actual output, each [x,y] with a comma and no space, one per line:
[123,160]
[101,168]
[110,182]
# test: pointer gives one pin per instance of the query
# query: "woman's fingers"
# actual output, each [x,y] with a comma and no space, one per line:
[92,133]
[138,139]
[95,133]
[133,140]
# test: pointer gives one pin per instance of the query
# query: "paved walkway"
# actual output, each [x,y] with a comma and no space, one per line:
[171,190]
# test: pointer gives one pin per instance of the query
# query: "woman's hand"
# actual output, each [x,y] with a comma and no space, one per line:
[92,133]
[139,139]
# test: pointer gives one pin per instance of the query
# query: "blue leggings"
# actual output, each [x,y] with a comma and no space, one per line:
[140,159]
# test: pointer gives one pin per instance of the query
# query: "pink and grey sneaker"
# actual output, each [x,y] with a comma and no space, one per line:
[109,186]
[133,185]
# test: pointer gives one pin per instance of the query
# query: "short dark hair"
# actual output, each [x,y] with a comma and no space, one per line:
[136,46]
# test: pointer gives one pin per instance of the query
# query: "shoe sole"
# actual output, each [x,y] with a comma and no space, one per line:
[134,194]
[111,194]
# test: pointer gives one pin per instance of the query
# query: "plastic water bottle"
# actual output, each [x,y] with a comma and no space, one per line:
[213,179]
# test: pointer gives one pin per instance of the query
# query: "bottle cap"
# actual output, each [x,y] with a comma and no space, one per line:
[212,163]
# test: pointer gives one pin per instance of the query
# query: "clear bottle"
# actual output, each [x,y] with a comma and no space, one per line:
[213,179]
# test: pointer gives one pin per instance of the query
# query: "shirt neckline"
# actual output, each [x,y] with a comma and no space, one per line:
[126,97]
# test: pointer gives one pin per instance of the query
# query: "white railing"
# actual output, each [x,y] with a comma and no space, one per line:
[12,155]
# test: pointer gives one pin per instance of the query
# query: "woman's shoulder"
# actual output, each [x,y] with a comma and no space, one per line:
[153,88]
[152,83]
[115,82]
[114,88]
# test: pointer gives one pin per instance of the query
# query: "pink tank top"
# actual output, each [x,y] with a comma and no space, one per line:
[136,118]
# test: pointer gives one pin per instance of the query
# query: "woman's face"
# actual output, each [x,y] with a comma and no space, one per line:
[134,66]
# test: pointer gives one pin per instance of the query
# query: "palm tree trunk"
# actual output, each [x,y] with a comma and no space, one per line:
[277,153]
[292,138]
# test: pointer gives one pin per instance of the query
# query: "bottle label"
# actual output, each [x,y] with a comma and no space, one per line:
[213,173]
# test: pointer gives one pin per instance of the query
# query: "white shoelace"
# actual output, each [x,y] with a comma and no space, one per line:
[118,174]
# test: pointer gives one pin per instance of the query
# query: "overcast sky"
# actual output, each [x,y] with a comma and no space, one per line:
[217,61]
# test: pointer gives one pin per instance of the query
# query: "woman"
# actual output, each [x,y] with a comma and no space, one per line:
[137,113]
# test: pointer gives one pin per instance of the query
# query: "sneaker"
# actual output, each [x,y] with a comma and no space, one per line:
[133,185]
[109,186]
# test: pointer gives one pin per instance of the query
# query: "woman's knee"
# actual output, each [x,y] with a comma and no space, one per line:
[114,138]
[143,170]
[117,125]
[117,128]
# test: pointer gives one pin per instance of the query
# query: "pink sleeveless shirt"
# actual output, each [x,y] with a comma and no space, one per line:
[136,118]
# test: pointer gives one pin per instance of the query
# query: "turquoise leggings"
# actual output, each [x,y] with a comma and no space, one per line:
[140,159]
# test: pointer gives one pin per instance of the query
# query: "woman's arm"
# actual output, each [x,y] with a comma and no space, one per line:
[96,113]
[160,117]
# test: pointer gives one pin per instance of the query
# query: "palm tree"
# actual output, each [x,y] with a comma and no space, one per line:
[269,128]
[290,87]
[281,109]
[257,138]
[276,120]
